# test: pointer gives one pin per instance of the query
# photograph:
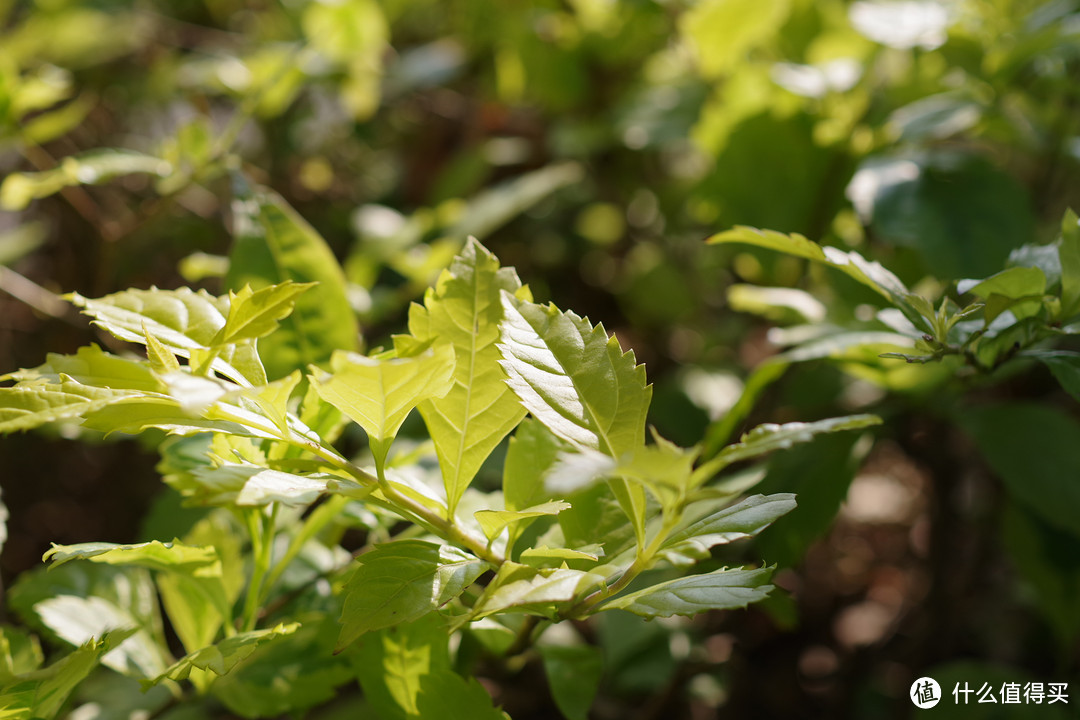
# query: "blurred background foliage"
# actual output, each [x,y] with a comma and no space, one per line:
[594,144]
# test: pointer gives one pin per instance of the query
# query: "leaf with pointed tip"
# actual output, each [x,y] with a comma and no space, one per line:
[767,437]
[79,620]
[224,656]
[256,313]
[719,590]
[573,674]
[272,244]
[464,309]
[521,588]
[400,582]
[868,273]
[134,414]
[184,321]
[30,405]
[379,394]
[574,378]
[1069,255]
[43,693]
[153,555]
[90,365]
[742,520]
[492,522]
[253,486]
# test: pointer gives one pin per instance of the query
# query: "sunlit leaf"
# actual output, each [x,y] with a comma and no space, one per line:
[273,245]
[90,168]
[379,394]
[152,555]
[224,656]
[28,406]
[719,590]
[464,309]
[401,581]
[574,378]
[525,589]
[255,314]
[744,519]
[492,522]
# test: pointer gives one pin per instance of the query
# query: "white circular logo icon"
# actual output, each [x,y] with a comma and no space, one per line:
[925,693]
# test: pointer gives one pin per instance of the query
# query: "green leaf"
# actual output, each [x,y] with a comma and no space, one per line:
[544,556]
[1033,449]
[573,378]
[224,656]
[89,168]
[722,32]
[379,394]
[392,663]
[254,486]
[400,582]
[43,694]
[273,245]
[492,522]
[255,314]
[1014,283]
[152,555]
[31,405]
[1049,560]
[742,520]
[855,266]
[819,473]
[20,653]
[961,212]
[1064,365]
[525,589]
[573,674]
[134,414]
[184,321]
[78,620]
[719,590]
[1069,254]
[768,437]
[286,677]
[447,695]
[532,452]
[464,309]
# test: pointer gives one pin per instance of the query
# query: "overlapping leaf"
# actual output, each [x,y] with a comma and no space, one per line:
[719,590]
[573,378]
[465,309]
[274,245]
[225,655]
[31,405]
[378,394]
[744,519]
[401,581]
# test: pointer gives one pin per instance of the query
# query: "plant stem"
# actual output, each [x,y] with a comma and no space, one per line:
[261,527]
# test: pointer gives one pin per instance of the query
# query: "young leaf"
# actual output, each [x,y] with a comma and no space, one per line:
[492,522]
[273,245]
[533,450]
[719,590]
[78,620]
[525,589]
[1069,254]
[224,656]
[184,321]
[254,486]
[28,406]
[742,520]
[573,378]
[379,394]
[464,308]
[44,693]
[90,365]
[153,555]
[768,437]
[255,314]
[400,582]
[573,674]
